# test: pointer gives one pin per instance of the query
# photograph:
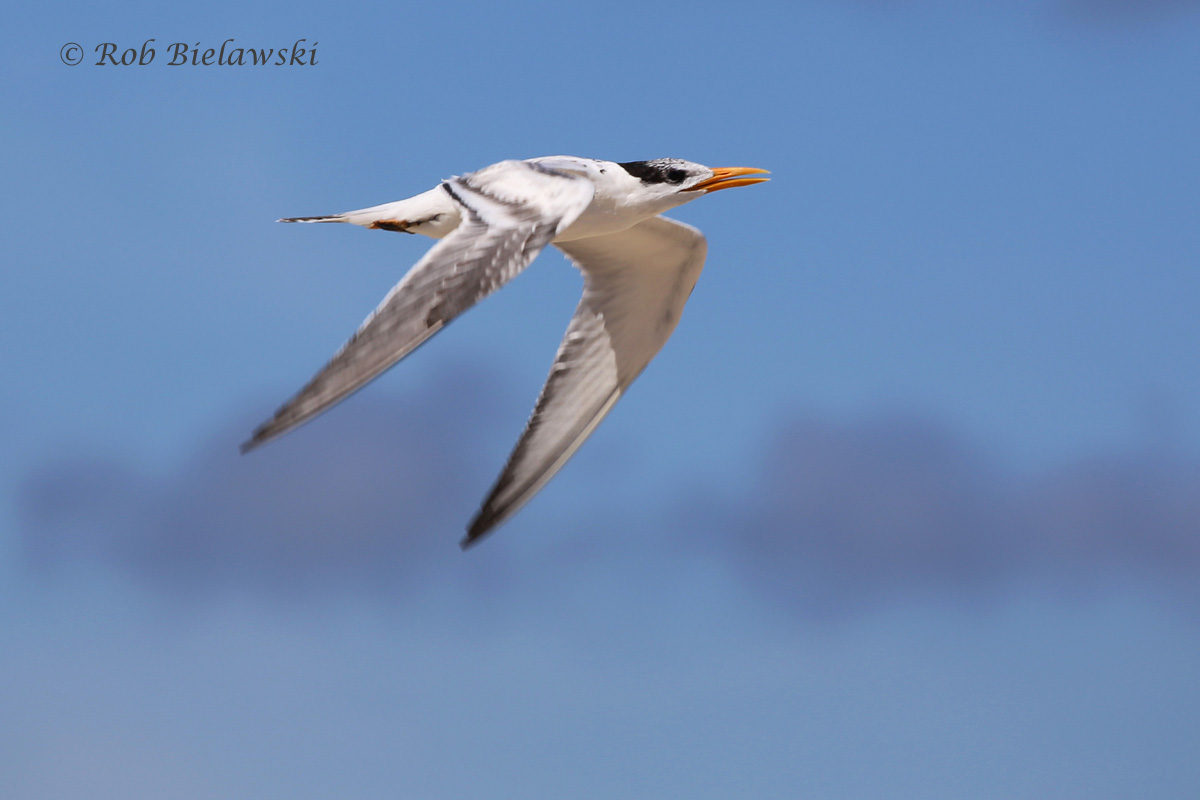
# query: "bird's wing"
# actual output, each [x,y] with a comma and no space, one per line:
[635,285]
[509,211]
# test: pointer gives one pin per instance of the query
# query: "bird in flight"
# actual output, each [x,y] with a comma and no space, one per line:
[638,269]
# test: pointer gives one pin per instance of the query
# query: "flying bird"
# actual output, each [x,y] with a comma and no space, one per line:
[639,269]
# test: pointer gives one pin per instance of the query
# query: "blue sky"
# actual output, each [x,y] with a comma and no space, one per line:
[908,507]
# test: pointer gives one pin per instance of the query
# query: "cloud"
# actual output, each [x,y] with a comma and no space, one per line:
[851,515]
[368,497]
[841,517]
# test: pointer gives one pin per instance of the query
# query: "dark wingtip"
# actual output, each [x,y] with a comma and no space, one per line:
[261,434]
[477,530]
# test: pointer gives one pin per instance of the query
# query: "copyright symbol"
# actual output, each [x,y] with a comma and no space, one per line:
[71,53]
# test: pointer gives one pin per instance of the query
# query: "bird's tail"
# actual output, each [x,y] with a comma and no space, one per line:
[389,216]
[383,217]
[332,218]
[431,213]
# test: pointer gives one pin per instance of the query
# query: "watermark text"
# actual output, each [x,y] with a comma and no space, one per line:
[180,54]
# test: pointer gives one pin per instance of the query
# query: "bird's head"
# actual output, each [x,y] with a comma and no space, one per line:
[670,176]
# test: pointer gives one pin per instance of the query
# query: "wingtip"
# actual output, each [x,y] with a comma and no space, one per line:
[479,528]
[261,434]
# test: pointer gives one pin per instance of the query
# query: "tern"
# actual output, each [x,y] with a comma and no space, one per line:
[638,267]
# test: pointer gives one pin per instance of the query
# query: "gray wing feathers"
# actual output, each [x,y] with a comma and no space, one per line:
[636,284]
[510,211]
[582,387]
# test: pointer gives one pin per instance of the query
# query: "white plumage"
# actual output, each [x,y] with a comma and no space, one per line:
[638,268]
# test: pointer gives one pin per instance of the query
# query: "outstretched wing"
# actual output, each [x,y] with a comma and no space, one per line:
[635,285]
[509,211]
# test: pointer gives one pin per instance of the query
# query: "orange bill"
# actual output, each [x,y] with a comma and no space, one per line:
[729,177]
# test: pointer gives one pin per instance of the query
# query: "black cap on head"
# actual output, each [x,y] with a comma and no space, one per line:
[660,170]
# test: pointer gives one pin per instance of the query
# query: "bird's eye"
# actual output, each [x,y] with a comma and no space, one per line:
[676,175]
